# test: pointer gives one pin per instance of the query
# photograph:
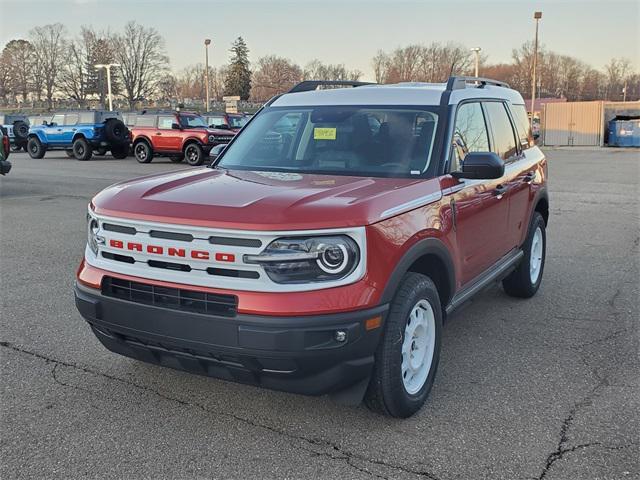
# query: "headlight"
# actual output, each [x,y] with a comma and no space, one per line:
[93,239]
[304,260]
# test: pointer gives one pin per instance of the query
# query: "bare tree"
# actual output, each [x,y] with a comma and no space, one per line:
[274,75]
[18,55]
[49,49]
[316,70]
[617,71]
[143,62]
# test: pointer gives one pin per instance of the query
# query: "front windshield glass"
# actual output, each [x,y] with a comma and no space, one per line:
[339,140]
[192,121]
[237,121]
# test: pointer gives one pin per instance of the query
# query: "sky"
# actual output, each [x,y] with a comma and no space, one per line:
[348,31]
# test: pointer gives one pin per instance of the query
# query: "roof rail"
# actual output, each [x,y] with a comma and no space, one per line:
[458,83]
[309,85]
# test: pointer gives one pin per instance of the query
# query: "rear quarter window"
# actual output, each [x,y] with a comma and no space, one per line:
[145,121]
[86,117]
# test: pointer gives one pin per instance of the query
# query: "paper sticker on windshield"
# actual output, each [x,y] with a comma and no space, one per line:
[324,133]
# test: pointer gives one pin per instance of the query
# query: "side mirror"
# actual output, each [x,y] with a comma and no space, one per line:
[175,126]
[217,150]
[481,165]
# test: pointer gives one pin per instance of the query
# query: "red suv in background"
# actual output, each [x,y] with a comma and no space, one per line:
[178,135]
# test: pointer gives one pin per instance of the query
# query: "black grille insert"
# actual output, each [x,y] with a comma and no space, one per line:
[119,228]
[173,298]
[236,242]
[118,258]
[183,237]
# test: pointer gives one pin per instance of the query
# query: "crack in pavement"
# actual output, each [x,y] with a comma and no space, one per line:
[330,447]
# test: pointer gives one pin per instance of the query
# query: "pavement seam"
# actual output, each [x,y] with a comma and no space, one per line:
[330,447]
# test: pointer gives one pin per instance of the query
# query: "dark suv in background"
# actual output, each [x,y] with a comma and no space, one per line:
[226,121]
[80,134]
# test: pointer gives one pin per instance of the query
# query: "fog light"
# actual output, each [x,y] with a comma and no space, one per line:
[340,336]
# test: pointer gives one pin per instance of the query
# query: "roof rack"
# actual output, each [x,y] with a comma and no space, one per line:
[309,85]
[458,83]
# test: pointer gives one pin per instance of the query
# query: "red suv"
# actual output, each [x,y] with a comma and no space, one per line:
[323,249]
[178,135]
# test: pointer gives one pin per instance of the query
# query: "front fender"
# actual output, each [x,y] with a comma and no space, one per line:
[39,134]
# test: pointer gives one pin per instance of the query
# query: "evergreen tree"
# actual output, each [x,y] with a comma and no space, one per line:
[238,80]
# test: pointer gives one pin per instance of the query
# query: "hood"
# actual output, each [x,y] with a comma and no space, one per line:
[251,200]
[221,132]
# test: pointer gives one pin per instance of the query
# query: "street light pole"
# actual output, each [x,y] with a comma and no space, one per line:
[476,50]
[624,91]
[537,16]
[107,67]
[207,42]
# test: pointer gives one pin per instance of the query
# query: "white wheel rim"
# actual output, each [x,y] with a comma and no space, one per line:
[535,261]
[418,346]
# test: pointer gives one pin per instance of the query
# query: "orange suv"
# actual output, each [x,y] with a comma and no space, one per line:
[178,135]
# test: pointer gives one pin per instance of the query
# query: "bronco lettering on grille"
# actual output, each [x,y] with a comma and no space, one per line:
[171,251]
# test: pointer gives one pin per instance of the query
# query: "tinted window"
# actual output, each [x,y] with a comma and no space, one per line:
[523,125]
[86,117]
[337,140]
[71,119]
[470,132]
[166,122]
[504,142]
[58,119]
[145,121]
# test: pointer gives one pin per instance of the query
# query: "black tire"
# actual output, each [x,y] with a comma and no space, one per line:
[142,151]
[100,151]
[519,283]
[15,148]
[193,154]
[81,149]
[69,153]
[387,393]
[120,152]
[20,130]
[115,131]
[35,148]
[176,159]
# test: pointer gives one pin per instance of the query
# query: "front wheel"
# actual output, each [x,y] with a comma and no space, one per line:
[407,357]
[525,280]
[81,149]
[193,154]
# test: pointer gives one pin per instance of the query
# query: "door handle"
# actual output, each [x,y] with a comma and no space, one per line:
[59,129]
[499,191]
[528,178]
[158,133]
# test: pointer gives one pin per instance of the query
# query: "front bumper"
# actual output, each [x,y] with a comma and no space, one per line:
[294,354]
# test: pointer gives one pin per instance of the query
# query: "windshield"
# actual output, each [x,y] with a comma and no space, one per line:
[192,121]
[342,140]
[237,121]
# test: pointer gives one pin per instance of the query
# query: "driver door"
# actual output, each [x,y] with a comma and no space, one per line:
[168,139]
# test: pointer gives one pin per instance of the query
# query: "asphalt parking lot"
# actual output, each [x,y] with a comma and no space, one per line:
[527,389]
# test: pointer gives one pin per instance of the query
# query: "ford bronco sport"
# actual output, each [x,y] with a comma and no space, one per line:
[178,135]
[17,128]
[79,134]
[324,247]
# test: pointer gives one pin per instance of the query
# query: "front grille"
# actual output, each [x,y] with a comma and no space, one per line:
[172,298]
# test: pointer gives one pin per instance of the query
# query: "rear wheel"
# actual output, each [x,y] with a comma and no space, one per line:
[35,148]
[407,357]
[81,149]
[194,154]
[143,153]
[120,152]
[525,280]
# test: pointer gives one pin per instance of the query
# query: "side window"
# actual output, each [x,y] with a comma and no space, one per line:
[504,140]
[469,133]
[145,121]
[166,122]
[71,119]
[86,117]
[216,121]
[58,119]
[523,126]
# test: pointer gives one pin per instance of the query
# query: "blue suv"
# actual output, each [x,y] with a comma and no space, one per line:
[80,134]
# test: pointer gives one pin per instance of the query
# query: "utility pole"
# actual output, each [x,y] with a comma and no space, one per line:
[624,91]
[107,67]
[537,16]
[207,42]
[476,50]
